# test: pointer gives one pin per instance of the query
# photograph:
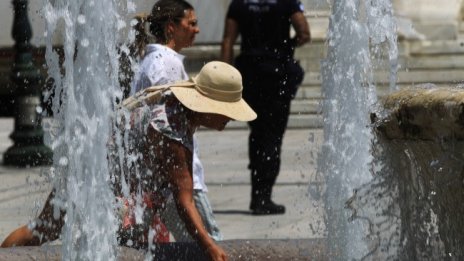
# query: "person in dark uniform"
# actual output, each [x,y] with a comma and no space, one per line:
[271,78]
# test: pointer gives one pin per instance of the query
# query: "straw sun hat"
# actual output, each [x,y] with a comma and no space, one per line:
[216,89]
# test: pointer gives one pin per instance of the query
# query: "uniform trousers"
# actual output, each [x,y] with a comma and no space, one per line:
[268,93]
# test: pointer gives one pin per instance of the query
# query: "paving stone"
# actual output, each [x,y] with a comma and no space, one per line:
[224,155]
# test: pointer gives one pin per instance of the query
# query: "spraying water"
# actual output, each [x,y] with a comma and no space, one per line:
[86,92]
[86,88]
[359,32]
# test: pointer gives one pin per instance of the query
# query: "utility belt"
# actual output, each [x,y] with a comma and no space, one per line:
[285,69]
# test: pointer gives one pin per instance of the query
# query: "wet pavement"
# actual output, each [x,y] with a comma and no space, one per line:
[224,155]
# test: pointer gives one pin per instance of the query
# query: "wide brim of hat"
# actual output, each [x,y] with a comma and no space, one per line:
[195,101]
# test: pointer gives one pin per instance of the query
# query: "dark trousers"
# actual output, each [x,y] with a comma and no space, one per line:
[270,96]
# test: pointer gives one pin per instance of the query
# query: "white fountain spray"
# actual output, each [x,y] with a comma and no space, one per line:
[358,30]
[86,88]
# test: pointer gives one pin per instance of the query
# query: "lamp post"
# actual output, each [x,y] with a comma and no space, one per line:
[28,148]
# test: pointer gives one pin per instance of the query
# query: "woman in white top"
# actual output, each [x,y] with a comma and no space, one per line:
[173,24]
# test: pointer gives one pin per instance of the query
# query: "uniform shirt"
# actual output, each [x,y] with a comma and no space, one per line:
[162,65]
[264,26]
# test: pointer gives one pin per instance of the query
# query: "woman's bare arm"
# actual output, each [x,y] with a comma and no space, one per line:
[180,178]
[48,229]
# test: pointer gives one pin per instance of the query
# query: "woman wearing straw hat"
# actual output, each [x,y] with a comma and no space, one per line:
[161,133]
[173,25]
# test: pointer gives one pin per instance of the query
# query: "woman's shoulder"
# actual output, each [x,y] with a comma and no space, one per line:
[160,51]
[154,53]
[159,57]
[170,119]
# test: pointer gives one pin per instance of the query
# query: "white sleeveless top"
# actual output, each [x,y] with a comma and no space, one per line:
[162,65]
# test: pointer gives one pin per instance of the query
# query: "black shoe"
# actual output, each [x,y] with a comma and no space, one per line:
[266,208]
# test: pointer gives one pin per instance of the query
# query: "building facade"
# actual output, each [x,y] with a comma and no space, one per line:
[429,18]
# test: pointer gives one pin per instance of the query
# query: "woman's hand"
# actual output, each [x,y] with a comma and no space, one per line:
[216,253]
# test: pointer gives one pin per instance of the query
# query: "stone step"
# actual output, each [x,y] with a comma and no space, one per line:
[430,76]
[309,92]
[319,24]
[296,121]
[312,105]
[429,62]
[305,106]
[438,76]
[436,47]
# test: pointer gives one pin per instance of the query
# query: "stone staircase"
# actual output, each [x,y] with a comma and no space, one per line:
[420,62]
[440,62]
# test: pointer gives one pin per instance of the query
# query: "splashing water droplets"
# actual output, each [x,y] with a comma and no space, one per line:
[63,161]
[85,42]
[83,114]
[348,97]
[81,19]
